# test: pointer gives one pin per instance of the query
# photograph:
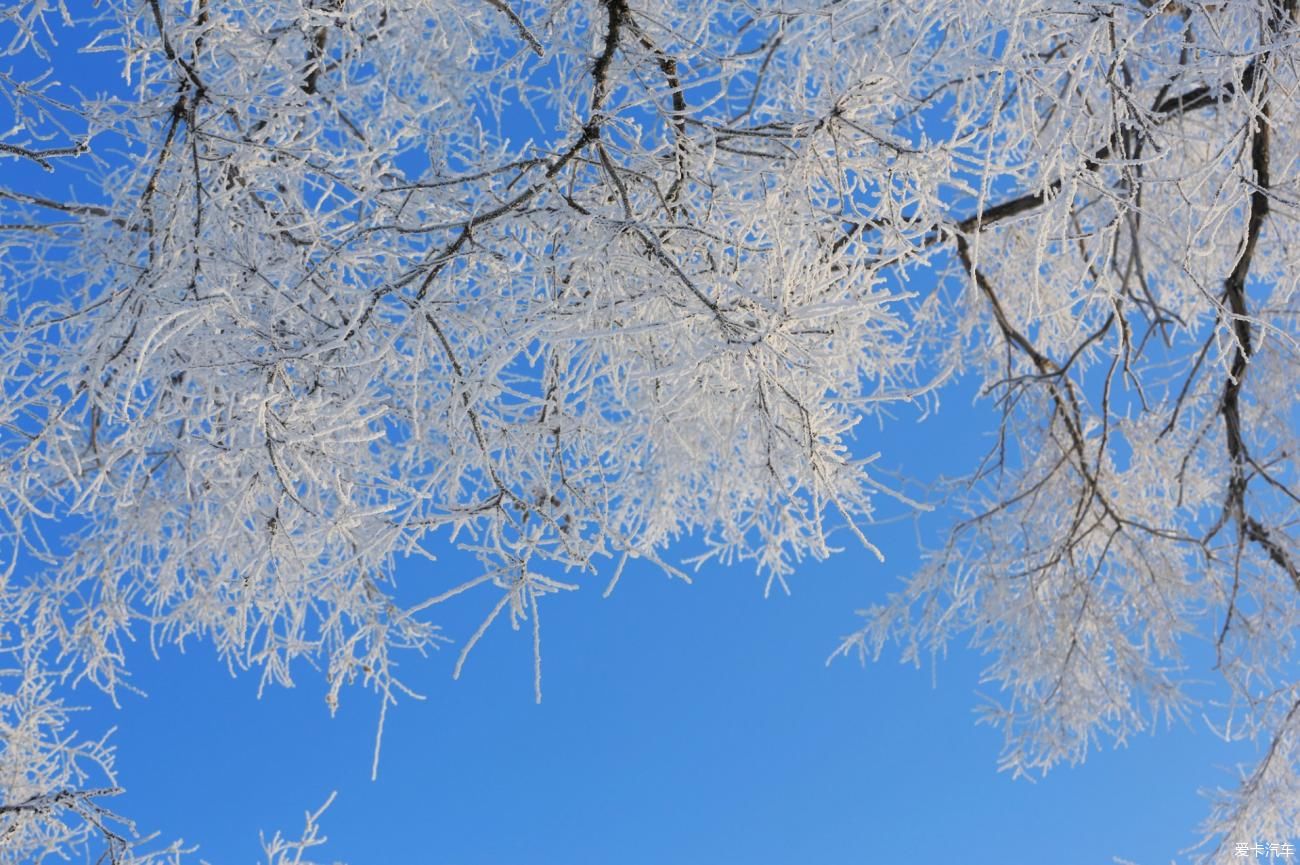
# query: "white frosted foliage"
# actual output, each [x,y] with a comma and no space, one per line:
[321,285]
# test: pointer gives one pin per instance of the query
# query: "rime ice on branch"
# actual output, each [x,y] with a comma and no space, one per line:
[564,282]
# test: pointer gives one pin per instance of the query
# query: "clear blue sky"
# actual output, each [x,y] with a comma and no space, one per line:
[685,724]
[681,724]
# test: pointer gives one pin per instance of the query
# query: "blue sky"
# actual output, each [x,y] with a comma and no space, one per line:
[681,724]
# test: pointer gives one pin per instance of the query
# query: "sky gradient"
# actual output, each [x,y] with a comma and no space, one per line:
[680,724]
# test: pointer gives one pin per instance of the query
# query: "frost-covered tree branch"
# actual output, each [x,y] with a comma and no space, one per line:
[340,280]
